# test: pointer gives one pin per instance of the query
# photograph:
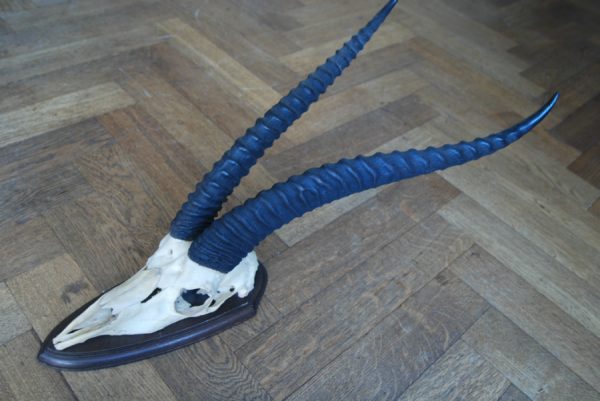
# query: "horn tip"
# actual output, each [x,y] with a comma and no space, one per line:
[549,105]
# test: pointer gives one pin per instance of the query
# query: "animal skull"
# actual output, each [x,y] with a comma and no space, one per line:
[152,298]
[219,263]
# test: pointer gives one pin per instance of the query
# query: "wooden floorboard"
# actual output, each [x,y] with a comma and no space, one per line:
[394,354]
[460,373]
[477,283]
[538,373]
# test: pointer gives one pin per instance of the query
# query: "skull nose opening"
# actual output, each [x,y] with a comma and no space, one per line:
[152,294]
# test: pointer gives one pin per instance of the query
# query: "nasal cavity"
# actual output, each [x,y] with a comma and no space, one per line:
[193,297]
[153,293]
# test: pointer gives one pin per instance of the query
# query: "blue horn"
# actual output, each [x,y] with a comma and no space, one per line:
[230,238]
[205,202]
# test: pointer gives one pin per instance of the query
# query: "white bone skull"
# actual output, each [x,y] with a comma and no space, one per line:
[152,298]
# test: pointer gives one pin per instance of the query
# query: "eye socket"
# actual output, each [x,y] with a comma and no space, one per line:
[193,297]
[232,289]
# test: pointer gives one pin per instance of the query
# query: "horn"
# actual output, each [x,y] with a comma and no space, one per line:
[204,203]
[230,238]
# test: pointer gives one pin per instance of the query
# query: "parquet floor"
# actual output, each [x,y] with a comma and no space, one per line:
[478,283]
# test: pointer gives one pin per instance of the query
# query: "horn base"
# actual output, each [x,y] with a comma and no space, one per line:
[109,351]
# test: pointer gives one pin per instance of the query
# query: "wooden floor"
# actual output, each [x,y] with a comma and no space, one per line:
[478,283]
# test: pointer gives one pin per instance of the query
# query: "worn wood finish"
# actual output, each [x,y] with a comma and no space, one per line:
[460,374]
[398,350]
[538,373]
[477,283]
[24,378]
[554,329]
[513,393]
[14,321]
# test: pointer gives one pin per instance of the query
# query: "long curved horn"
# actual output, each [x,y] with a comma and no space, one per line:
[234,235]
[205,202]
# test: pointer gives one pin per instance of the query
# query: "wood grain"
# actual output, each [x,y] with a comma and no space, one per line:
[381,365]
[512,393]
[586,166]
[578,129]
[323,327]
[60,111]
[345,106]
[51,150]
[46,60]
[26,195]
[113,174]
[189,127]
[297,230]
[65,289]
[24,244]
[213,366]
[532,170]
[532,312]
[467,376]
[383,125]
[100,244]
[305,60]
[142,138]
[381,62]
[338,27]
[578,90]
[211,97]
[25,377]
[573,295]
[118,19]
[542,225]
[454,75]
[43,16]
[239,335]
[75,78]
[595,208]
[498,65]
[257,53]
[13,321]
[251,88]
[365,230]
[138,381]
[535,371]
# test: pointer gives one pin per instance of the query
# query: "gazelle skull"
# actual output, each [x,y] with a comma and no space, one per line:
[152,298]
[219,263]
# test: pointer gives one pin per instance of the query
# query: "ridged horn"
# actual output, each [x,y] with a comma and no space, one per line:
[207,199]
[234,235]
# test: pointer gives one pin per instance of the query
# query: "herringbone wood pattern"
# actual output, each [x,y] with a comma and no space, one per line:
[481,282]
